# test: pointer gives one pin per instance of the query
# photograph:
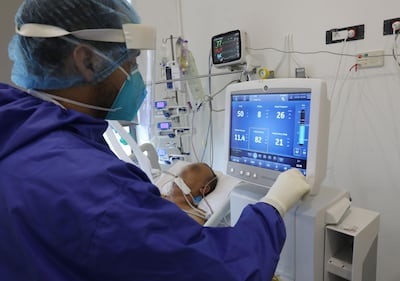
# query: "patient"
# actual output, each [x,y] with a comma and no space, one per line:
[196,181]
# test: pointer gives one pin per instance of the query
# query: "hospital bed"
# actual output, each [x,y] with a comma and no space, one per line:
[146,157]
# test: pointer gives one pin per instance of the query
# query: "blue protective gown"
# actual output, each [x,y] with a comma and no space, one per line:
[70,210]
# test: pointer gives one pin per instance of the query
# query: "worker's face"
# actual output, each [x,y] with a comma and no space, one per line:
[196,176]
[108,89]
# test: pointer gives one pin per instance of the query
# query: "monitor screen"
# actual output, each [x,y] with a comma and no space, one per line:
[275,125]
[227,48]
[270,130]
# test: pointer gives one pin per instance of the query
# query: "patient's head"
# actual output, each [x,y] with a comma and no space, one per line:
[200,178]
[195,181]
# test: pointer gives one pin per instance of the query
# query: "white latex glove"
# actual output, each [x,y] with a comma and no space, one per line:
[289,187]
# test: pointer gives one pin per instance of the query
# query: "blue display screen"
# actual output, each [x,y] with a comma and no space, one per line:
[226,47]
[160,104]
[270,130]
[164,125]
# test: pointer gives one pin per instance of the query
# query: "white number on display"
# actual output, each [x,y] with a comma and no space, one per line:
[279,142]
[240,113]
[280,115]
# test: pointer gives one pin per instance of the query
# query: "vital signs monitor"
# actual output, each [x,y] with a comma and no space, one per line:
[228,49]
[275,125]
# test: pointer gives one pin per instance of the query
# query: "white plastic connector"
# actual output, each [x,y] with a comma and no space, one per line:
[351,33]
[396,26]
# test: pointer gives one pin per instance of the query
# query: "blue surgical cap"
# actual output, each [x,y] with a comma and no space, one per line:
[44,63]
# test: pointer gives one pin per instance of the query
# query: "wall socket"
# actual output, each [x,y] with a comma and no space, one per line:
[387,26]
[337,35]
[370,59]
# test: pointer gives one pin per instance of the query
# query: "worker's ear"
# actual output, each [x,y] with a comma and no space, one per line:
[84,60]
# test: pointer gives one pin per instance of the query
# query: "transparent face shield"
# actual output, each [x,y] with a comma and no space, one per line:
[137,37]
[147,66]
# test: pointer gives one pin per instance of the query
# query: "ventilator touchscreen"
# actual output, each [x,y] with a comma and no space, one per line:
[270,130]
[275,125]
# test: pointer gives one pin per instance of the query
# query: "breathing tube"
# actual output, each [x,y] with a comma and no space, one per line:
[180,183]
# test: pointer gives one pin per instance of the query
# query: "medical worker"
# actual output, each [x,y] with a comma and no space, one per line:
[69,209]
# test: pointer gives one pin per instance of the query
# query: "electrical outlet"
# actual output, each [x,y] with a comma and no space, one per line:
[337,35]
[387,26]
[340,35]
[370,59]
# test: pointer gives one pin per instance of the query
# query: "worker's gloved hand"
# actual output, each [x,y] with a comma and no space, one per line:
[289,187]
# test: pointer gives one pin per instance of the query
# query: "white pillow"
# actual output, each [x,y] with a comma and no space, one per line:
[221,193]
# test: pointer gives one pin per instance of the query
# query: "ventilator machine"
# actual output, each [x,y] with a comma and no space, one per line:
[277,124]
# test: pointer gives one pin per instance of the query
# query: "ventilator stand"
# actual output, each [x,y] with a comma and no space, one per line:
[351,247]
[327,239]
